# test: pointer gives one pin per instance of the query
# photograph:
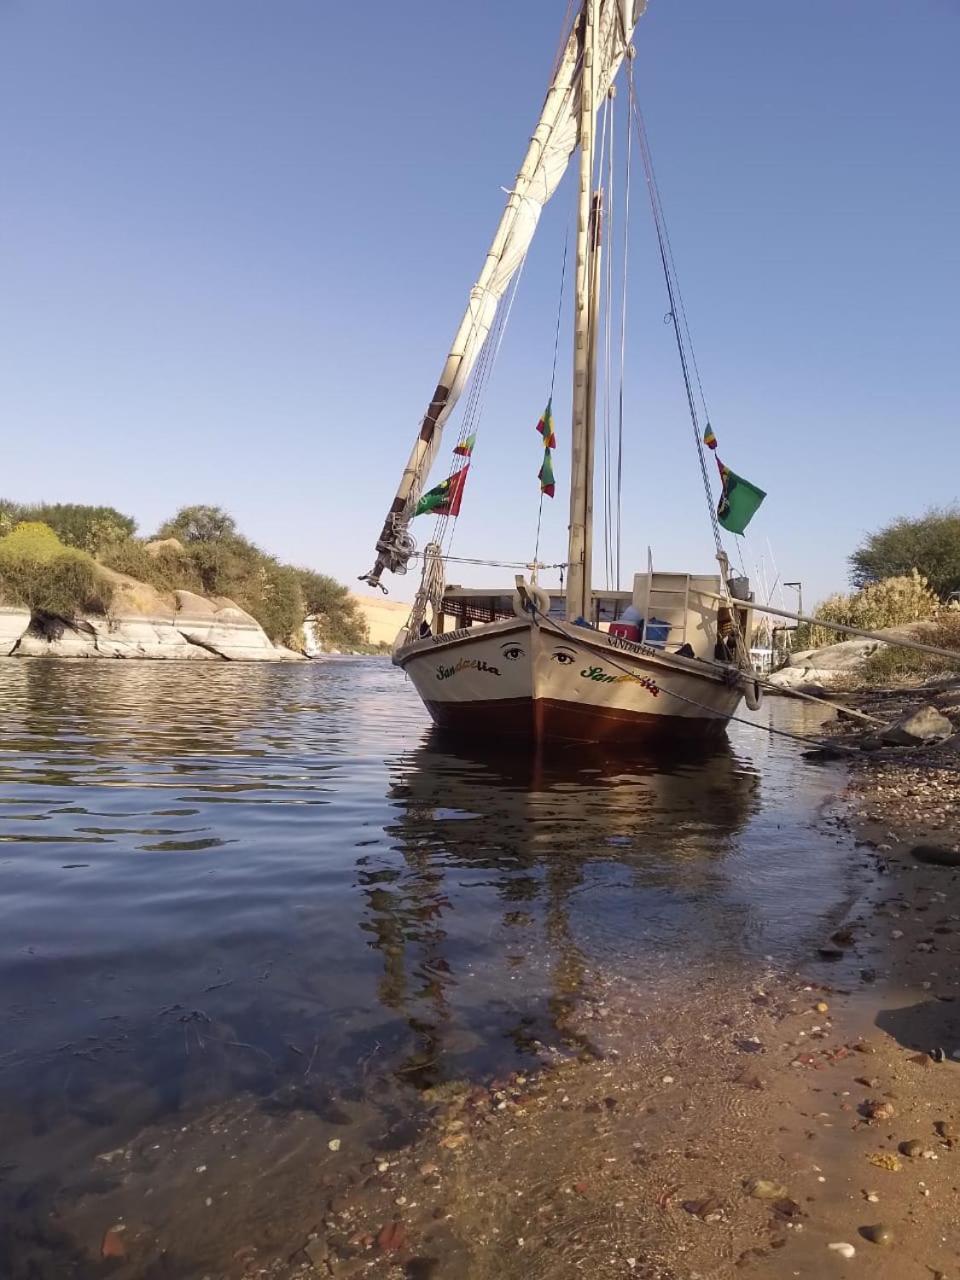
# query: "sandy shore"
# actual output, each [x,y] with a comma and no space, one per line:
[801,1124]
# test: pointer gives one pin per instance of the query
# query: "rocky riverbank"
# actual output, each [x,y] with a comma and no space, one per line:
[143,623]
[803,1123]
[842,664]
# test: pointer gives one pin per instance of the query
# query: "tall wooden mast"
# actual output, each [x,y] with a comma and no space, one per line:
[580,547]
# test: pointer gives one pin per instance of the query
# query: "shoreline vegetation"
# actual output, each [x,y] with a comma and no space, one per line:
[906,579]
[71,565]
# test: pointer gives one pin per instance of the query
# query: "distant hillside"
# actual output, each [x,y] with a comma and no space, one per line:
[383,617]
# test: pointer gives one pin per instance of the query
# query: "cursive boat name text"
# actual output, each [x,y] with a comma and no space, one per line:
[466,664]
[598,673]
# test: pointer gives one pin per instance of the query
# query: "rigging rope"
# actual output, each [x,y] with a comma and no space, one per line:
[676,316]
[504,564]
[606,214]
[623,313]
[492,351]
[603,214]
[553,371]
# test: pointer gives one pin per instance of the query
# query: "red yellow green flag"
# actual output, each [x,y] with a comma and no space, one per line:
[545,426]
[465,447]
[444,499]
[709,439]
[547,483]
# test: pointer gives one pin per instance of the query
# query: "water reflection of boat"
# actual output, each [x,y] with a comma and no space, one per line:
[489,923]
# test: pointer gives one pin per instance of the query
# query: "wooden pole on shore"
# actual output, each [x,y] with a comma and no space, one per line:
[952,654]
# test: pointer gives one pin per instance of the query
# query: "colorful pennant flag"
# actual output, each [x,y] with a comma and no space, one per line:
[709,439]
[739,500]
[465,447]
[545,426]
[547,483]
[444,499]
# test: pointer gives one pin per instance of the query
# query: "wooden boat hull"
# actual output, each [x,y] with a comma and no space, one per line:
[545,683]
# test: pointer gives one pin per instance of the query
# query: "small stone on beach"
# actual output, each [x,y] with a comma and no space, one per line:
[877,1234]
[761,1189]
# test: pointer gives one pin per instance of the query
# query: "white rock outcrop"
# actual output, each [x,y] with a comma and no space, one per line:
[13,623]
[222,628]
[824,667]
[143,623]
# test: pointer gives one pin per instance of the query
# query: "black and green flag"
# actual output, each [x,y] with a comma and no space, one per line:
[739,500]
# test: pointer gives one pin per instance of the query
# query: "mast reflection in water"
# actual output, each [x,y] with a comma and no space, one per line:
[519,880]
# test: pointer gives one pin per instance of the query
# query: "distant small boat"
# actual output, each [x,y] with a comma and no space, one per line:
[524,661]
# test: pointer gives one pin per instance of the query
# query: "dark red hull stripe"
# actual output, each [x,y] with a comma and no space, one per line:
[547,719]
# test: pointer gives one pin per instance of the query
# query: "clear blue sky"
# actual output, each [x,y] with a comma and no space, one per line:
[236,237]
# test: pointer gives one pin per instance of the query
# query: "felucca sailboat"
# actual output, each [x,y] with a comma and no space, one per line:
[670,657]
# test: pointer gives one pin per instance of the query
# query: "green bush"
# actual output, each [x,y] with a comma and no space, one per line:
[39,573]
[165,569]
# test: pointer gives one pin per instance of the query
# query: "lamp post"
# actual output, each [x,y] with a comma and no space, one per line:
[798,587]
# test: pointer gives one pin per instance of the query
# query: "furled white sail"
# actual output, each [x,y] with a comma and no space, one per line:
[545,163]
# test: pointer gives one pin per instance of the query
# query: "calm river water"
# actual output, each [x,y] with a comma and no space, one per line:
[212,874]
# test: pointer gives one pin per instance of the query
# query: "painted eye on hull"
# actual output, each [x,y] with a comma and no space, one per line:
[513,652]
[563,658]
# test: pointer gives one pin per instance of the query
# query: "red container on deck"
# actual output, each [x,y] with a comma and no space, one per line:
[625,630]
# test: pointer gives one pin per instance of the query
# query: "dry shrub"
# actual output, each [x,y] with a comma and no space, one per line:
[891,603]
[889,665]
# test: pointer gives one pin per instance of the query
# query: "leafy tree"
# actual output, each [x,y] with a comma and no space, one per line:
[337,620]
[75,524]
[930,544]
[199,524]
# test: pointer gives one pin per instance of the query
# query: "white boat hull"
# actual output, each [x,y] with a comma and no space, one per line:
[546,683]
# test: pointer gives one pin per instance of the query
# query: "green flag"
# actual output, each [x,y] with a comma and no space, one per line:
[738,502]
